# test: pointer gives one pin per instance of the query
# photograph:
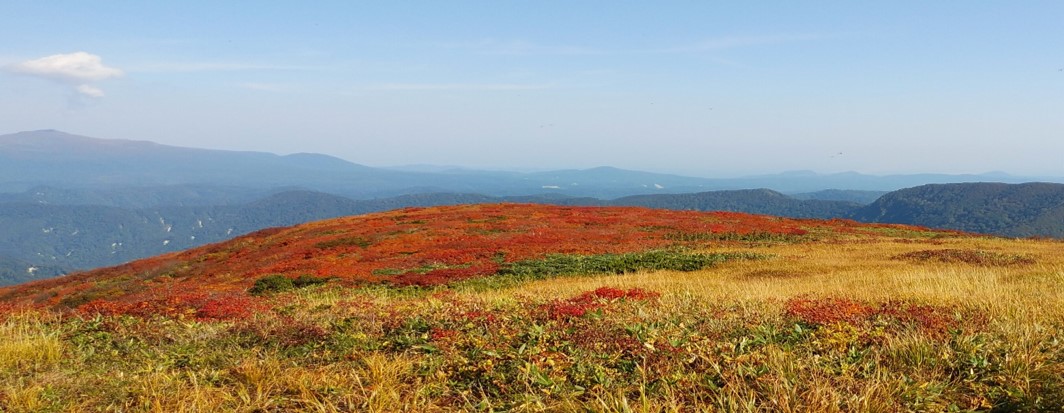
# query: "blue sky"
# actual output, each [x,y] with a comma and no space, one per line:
[699,88]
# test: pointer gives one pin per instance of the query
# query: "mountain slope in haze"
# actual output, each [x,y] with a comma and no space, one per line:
[846,195]
[53,158]
[755,201]
[141,196]
[56,159]
[808,181]
[1016,210]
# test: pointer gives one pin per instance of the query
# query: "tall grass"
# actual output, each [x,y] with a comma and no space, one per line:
[28,343]
[715,339]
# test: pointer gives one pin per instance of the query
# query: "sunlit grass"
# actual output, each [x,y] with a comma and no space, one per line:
[716,339]
[28,343]
[860,271]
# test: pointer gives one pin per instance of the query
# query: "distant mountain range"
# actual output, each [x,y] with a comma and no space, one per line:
[69,202]
[49,158]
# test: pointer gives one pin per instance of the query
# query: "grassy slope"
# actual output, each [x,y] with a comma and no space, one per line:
[833,321]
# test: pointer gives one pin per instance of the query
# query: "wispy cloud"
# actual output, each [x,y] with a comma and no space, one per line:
[269,87]
[90,91]
[77,70]
[188,67]
[459,86]
[522,47]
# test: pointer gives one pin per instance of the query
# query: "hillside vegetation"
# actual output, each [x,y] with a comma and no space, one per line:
[40,240]
[1015,210]
[43,235]
[540,308]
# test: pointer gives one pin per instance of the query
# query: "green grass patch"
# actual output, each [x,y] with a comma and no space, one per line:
[752,237]
[344,242]
[276,283]
[419,270]
[578,265]
[905,233]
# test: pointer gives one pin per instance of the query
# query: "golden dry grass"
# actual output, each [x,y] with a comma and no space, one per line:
[864,271]
[1024,306]
[27,344]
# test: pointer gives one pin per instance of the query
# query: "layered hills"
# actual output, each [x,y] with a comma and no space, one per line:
[71,202]
[42,239]
[72,162]
[57,159]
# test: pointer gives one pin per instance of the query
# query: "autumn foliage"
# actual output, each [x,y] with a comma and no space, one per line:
[198,306]
[597,299]
[543,308]
[413,246]
[834,310]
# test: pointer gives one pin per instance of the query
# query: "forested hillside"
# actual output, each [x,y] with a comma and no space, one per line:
[1016,210]
[756,201]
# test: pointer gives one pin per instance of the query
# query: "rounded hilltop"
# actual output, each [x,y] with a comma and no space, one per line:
[419,246]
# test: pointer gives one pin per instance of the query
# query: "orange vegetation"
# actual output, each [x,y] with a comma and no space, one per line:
[413,246]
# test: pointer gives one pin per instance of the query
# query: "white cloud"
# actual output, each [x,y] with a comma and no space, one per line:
[78,69]
[90,91]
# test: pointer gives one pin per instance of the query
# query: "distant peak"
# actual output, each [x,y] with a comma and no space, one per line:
[800,173]
[604,168]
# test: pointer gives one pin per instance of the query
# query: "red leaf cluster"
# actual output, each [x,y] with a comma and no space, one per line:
[828,311]
[199,306]
[824,311]
[593,300]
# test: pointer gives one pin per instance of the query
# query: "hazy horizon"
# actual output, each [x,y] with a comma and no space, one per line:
[718,90]
[519,169]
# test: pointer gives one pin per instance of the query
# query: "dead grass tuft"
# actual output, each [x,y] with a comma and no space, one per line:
[974,257]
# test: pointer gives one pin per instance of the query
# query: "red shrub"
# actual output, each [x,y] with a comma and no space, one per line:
[232,307]
[442,334]
[824,311]
[200,306]
[931,319]
[589,301]
[561,310]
